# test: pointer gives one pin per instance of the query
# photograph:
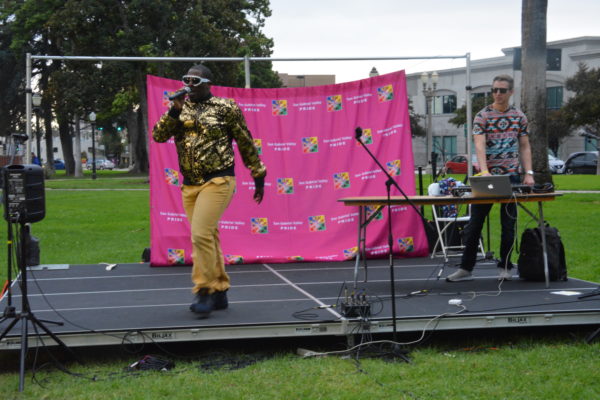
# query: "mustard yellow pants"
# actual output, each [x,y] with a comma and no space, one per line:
[204,206]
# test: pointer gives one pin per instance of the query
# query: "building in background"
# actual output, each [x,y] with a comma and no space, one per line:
[564,57]
[290,81]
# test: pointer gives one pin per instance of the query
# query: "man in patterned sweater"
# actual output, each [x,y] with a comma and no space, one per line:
[203,127]
[501,137]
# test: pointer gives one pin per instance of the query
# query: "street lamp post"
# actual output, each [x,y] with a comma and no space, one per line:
[36,99]
[92,118]
[429,93]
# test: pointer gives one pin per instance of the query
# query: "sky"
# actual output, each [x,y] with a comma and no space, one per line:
[408,28]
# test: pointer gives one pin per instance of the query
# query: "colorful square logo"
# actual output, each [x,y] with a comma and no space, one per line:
[234,259]
[341,180]
[316,223]
[172,176]
[176,256]
[310,144]
[350,253]
[258,145]
[393,167]
[385,93]
[366,137]
[294,258]
[371,210]
[279,107]
[285,185]
[165,99]
[406,244]
[334,103]
[259,225]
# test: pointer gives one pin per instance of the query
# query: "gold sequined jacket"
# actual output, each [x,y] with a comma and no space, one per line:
[203,134]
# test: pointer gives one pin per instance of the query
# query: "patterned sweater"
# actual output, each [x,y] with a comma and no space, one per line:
[502,131]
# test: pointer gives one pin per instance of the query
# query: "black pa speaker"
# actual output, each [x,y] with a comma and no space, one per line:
[24,199]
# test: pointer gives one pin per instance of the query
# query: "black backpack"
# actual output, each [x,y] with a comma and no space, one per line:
[531,257]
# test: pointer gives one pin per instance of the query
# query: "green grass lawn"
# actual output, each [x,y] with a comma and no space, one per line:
[91,226]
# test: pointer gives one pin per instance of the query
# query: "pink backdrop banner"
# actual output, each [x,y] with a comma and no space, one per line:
[306,139]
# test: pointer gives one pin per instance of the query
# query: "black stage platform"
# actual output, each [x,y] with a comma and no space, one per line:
[135,303]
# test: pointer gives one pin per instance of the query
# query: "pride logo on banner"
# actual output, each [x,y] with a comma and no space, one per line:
[310,144]
[316,223]
[285,186]
[234,259]
[259,225]
[176,256]
[366,137]
[341,180]
[279,107]
[165,98]
[393,167]
[172,176]
[371,210]
[385,93]
[406,244]
[294,258]
[350,253]
[334,103]
[258,145]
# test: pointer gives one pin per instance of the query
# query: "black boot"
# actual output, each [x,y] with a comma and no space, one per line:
[221,301]
[203,304]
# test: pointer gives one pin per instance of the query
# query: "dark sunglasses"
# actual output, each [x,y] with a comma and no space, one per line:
[499,90]
[193,80]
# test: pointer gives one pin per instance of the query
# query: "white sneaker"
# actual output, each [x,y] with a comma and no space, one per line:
[459,276]
[504,274]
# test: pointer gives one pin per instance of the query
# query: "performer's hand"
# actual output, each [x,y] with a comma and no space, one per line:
[177,103]
[258,194]
[528,180]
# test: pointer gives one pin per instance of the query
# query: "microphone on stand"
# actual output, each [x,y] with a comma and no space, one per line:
[358,133]
[181,92]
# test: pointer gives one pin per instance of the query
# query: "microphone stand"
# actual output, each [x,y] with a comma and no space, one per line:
[388,184]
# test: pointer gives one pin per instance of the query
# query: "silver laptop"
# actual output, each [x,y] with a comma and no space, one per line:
[491,186]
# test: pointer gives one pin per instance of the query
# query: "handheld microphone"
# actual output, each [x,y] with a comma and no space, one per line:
[181,92]
[358,133]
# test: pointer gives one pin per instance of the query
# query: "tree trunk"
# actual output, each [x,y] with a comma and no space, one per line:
[137,126]
[77,152]
[66,141]
[533,95]
[49,171]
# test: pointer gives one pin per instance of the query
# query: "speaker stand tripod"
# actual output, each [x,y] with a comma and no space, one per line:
[25,316]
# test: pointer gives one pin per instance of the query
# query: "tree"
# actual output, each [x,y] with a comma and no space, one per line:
[415,122]
[557,129]
[583,109]
[117,90]
[477,103]
[533,95]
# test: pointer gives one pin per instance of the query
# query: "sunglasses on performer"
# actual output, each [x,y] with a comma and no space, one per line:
[193,80]
[499,90]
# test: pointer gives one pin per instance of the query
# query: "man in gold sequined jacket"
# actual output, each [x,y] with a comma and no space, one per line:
[203,127]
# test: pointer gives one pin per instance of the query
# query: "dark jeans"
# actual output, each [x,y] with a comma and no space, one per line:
[472,233]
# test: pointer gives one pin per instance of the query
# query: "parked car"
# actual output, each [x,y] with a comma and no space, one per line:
[100,164]
[59,164]
[556,165]
[458,164]
[582,162]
